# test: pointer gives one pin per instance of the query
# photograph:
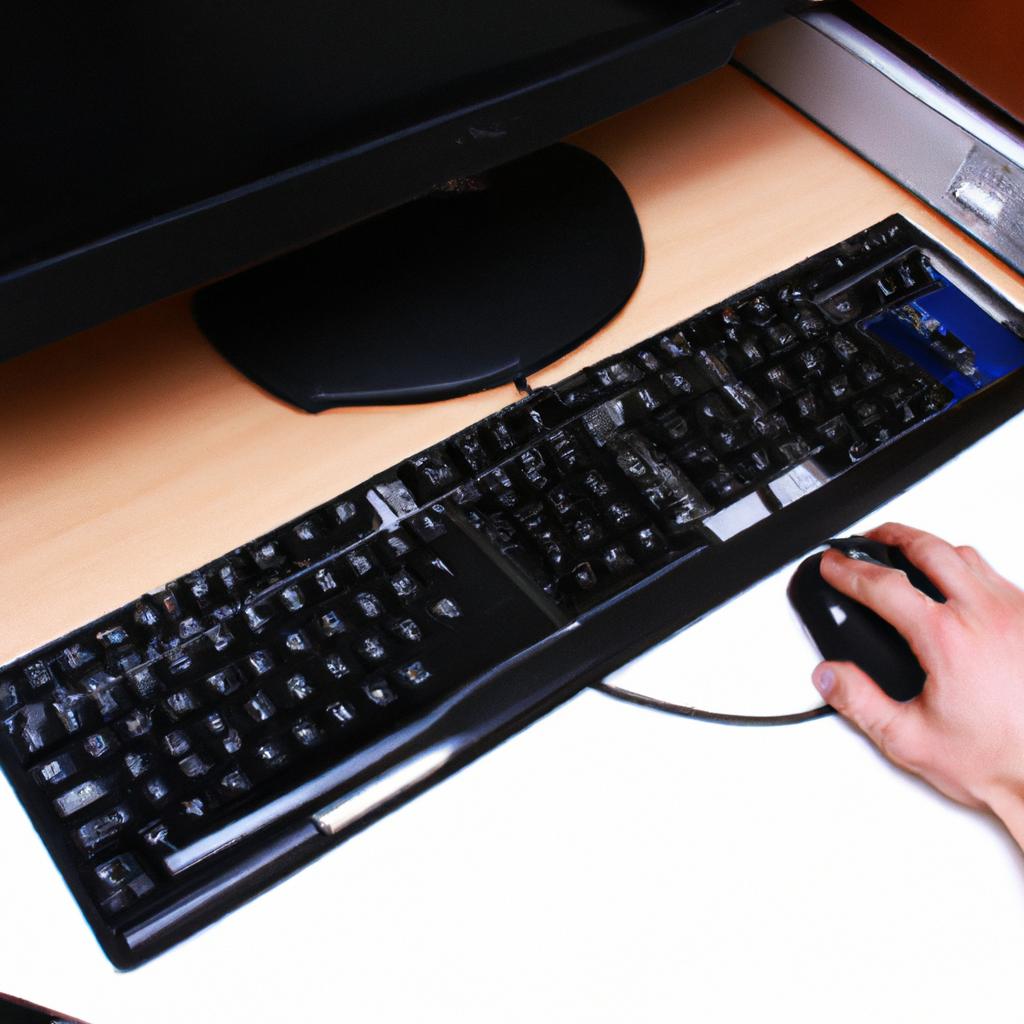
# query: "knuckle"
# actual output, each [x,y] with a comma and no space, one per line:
[839,571]
[941,628]
[930,614]
[893,583]
[861,583]
[922,545]
[902,745]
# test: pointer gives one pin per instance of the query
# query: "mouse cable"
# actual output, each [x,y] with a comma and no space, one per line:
[721,717]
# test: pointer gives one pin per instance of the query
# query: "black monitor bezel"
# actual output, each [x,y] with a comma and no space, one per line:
[188,247]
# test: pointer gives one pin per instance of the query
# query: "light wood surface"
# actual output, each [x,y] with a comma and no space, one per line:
[132,453]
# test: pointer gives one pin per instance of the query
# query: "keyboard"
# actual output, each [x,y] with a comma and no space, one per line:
[199,743]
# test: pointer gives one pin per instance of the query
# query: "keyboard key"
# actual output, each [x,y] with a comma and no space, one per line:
[407,630]
[195,807]
[156,790]
[325,580]
[194,766]
[369,605]
[55,772]
[33,728]
[177,743]
[75,711]
[215,724]
[379,692]
[180,703]
[220,684]
[306,732]
[143,682]
[135,724]
[102,829]
[73,658]
[404,586]
[271,755]
[231,741]
[331,623]
[430,525]
[235,783]
[360,562]
[10,698]
[38,675]
[260,707]
[123,871]
[340,713]
[296,642]
[81,796]
[258,615]
[260,662]
[100,744]
[372,649]
[428,475]
[414,674]
[299,688]
[352,518]
[337,666]
[446,609]
[138,763]
[122,882]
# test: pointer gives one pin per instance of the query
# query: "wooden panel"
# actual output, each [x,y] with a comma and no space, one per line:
[131,453]
[979,41]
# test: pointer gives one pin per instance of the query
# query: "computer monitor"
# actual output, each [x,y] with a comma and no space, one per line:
[150,149]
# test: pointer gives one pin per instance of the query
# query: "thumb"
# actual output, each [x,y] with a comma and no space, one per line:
[857,697]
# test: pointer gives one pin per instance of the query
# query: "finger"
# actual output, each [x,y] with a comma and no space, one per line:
[858,698]
[887,592]
[936,558]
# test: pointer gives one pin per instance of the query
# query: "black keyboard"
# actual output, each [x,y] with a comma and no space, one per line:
[199,743]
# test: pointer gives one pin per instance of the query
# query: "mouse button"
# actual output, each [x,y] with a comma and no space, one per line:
[813,599]
[805,578]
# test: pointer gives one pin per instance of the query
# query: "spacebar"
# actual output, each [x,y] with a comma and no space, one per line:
[315,789]
[436,739]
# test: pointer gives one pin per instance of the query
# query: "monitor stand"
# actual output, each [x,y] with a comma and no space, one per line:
[474,285]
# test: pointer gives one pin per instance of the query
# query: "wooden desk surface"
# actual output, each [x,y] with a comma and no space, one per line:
[132,453]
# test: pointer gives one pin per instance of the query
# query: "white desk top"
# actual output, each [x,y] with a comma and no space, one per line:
[613,863]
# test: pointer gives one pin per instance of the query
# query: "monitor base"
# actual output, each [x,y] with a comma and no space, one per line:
[458,291]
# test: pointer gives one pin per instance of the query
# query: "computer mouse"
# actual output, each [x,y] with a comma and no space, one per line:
[845,630]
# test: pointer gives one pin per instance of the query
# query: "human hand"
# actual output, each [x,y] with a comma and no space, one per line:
[965,733]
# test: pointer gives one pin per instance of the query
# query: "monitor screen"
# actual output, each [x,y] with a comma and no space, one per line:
[119,113]
[152,147]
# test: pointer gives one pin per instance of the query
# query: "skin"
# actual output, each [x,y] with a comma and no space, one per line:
[965,733]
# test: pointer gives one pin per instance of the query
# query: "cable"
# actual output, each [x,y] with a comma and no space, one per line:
[721,717]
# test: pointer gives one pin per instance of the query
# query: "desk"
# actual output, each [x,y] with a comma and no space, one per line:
[610,863]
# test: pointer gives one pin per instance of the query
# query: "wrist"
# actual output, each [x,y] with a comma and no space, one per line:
[1007,804]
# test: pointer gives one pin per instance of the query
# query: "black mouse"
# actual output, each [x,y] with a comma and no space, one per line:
[845,630]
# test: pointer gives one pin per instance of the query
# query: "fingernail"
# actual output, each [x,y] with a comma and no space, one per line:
[824,680]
